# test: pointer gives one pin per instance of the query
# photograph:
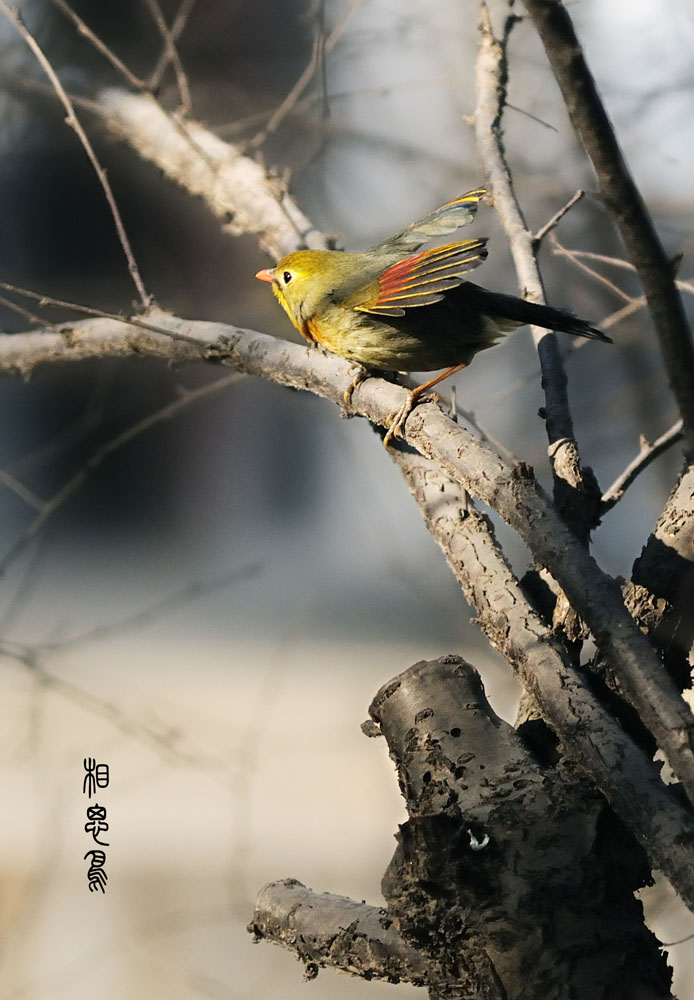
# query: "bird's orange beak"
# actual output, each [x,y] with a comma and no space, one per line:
[266,275]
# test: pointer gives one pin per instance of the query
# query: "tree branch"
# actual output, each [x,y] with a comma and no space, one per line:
[622,198]
[500,855]
[326,930]
[590,736]
[647,454]
[512,491]
[574,491]
[234,186]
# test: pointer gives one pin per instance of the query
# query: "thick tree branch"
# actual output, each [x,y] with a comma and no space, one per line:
[575,491]
[501,857]
[591,737]
[622,198]
[662,581]
[235,187]
[512,491]
[331,931]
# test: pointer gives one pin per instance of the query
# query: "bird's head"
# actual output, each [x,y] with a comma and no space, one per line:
[299,282]
[307,282]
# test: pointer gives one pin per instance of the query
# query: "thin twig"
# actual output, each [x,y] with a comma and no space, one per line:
[574,257]
[49,507]
[172,56]
[647,454]
[177,27]
[557,217]
[8,480]
[683,284]
[135,321]
[14,16]
[152,612]
[25,313]
[321,47]
[163,740]
[100,45]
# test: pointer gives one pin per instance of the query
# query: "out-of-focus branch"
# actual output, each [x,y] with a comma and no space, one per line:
[326,930]
[73,121]
[170,54]
[322,47]
[589,734]
[622,198]
[47,508]
[512,491]
[173,33]
[235,187]
[574,490]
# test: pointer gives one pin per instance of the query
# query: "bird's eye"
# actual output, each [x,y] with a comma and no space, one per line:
[287,277]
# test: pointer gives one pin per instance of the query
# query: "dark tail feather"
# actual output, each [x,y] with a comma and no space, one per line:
[549,317]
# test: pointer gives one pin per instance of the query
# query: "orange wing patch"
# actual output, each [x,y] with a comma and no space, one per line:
[424,278]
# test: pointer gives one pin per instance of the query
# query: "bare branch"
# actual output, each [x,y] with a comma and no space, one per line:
[152,612]
[99,45]
[73,121]
[622,198]
[321,47]
[647,454]
[171,55]
[20,489]
[48,300]
[511,491]
[174,32]
[578,258]
[335,932]
[574,491]
[557,217]
[162,740]
[235,187]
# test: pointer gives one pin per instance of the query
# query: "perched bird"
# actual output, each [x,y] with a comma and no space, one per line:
[391,309]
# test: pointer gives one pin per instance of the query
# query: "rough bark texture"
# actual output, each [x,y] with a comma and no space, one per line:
[626,776]
[323,929]
[662,582]
[505,875]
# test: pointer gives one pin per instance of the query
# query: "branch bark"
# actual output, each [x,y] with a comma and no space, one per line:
[622,199]
[590,736]
[503,876]
[331,931]
[235,187]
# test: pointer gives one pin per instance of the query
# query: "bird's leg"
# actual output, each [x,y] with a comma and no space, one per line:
[360,375]
[396,422]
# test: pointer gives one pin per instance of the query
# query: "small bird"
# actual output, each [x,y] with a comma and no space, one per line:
[391,309]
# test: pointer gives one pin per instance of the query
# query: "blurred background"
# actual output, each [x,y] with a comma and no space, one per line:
[212,611]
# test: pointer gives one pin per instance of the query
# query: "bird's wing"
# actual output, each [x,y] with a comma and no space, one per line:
[418,281]
[459,212]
